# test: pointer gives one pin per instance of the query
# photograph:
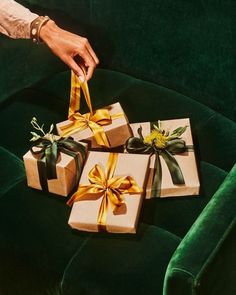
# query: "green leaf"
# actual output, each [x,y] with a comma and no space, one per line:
[34,138]
[179,131]
[51,128]
[34,133]
[157,126]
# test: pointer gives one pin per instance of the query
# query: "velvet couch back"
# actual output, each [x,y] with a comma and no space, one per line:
[183,45]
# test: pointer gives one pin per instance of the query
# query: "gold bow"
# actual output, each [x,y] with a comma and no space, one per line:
[94,119]
[110,188]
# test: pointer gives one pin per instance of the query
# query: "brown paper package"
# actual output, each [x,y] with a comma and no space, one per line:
[117,132]
[66,173]
[84,213]
[186,161]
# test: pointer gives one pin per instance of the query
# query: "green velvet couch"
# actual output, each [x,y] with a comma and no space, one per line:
[160,60]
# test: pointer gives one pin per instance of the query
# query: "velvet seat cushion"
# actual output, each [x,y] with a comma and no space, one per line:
[38,249]
[12,170]
[113,264]
[178,214]
[39,252]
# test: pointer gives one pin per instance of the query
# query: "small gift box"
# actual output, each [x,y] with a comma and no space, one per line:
[106,127]
[173,169]
[54,164]
[110,193]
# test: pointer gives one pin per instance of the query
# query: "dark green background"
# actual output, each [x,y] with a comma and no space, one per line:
[160,60]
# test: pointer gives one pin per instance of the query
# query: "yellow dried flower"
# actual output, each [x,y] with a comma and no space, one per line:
[156,138]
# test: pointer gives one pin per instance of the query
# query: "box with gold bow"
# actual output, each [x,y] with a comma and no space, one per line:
[54,164]
[110,193]
[173,170]
[105,127]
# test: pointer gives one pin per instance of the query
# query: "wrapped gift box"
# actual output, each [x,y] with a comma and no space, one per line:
[66,170]
[186,161]
[84,213]
[117,132]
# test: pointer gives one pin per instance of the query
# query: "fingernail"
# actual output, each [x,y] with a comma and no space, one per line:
[81,78]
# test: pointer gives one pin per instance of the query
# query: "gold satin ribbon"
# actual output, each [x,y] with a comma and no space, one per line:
[104,184]
[94,119]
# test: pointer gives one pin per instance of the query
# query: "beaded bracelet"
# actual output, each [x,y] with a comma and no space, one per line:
[36,26]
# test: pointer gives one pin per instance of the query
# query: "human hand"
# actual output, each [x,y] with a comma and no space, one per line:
[67,46]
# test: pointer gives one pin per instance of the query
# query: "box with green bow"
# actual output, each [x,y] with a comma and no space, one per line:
[173,169]
[53,163]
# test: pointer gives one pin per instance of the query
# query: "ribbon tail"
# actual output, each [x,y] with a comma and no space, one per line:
[99,134]
[85,89]
[74,95]
[42,175]
[157,178]
[72,127]
[51,154]
[84,191]
[174,168]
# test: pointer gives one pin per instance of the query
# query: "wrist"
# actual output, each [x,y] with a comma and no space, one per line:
[41,29]
[48,31]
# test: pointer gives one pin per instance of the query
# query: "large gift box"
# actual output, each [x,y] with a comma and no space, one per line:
[54,164]
[106,127]
[110,193]
[173,170]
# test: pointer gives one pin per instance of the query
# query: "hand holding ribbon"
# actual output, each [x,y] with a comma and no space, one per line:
[94,119]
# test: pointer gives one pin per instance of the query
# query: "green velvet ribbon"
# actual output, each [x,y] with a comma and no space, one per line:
[48,153]
[175,146]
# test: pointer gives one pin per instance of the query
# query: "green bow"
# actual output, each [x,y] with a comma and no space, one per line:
[48,152]
[164,144]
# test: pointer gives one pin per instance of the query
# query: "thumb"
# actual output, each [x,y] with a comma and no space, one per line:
[76,69]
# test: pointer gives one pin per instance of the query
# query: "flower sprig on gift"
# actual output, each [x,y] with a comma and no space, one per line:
[163,139]
[46,135]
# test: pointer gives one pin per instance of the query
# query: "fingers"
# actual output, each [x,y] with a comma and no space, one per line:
[74,64]
[89,74]
[91,67]
[76,69]
[88,56]
[88,50]
[92,53]
[71,47]
[89,63]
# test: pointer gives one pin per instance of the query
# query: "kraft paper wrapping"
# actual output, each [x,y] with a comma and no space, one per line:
[186,161]
[84,213]
[117,132]
[66,174]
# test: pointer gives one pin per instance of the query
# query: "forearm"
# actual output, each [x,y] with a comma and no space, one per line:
[15,19]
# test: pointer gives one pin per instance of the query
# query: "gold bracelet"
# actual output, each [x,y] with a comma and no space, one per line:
[36,26]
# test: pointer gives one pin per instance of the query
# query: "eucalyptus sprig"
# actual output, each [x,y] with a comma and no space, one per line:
[44,135]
